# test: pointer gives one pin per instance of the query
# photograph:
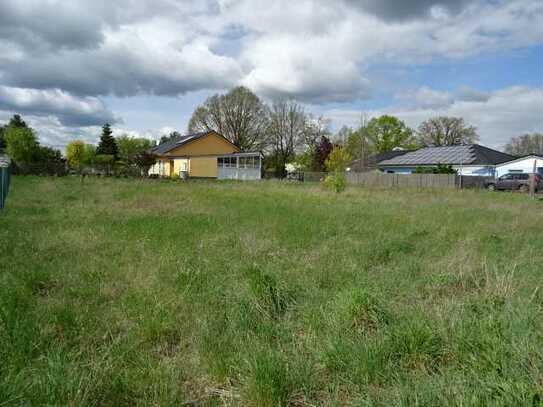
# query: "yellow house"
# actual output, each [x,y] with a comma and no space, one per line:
[205,155]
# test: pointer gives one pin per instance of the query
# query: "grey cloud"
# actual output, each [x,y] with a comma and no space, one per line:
[46,25]
[405,9]
[359,89]
[122,48]
[70,110]
[467,94]
[122,72]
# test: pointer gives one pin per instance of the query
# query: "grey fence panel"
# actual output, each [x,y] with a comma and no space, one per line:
[5,177]
[382,180]
[473,182]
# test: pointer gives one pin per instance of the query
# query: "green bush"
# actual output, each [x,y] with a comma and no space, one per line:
[440,169]
[336,182]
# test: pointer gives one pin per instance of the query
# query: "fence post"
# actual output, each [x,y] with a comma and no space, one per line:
[2,188]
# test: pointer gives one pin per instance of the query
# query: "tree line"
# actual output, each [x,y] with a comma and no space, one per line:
[124,154]
[20,142]
[284,131]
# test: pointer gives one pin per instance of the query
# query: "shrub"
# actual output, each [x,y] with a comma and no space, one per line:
[338,160]
[440,169]
[335,182]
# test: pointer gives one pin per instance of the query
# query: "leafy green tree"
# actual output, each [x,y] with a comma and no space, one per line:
[446,131]
[107,144]
[49,161]
[337,163]
[388,132]
[305,159]
[17,121]
[171,136]
[338,160]
[89,154]
[75,154]
[130,147]
[21,144]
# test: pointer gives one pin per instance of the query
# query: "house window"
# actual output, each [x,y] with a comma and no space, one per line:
[249,162]
[227,162]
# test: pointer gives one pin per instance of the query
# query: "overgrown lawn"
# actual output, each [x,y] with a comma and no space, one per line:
[121,292]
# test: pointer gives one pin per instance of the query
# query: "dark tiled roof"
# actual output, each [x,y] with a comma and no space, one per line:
[177,142]
[375,159]
[470,154]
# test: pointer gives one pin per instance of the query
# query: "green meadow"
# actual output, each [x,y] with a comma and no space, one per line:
[120,292]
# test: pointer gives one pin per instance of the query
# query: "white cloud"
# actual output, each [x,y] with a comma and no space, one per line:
[318,51]
[505,113]
[71,110]
[58,59]
[426,97]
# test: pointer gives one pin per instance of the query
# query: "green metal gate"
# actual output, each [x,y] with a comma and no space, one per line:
[5,175]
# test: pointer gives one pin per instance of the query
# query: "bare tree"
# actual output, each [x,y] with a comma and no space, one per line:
[239,115]
[446,131]
[359,146]
[287,131]
[525,144]
[315,129]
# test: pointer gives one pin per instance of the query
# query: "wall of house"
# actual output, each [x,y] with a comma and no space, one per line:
[161,168]
[525,165]
[203,167]
[398,170]
[180,163]
[479,171]
[475,171]
[208,145]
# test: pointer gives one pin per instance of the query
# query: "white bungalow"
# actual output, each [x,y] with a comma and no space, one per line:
[521,165]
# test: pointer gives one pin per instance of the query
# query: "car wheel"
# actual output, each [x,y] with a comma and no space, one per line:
[524,188]
[491,187]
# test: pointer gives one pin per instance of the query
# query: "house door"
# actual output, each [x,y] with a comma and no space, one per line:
[171,168]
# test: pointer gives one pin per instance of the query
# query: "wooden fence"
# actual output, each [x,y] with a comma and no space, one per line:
[378,179]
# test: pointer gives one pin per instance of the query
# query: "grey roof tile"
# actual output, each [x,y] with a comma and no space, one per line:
[177,142]
[470,154]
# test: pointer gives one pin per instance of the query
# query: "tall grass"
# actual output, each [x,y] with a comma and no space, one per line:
[122,292]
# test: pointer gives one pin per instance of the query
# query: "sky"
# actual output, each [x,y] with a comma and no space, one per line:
[145,65]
